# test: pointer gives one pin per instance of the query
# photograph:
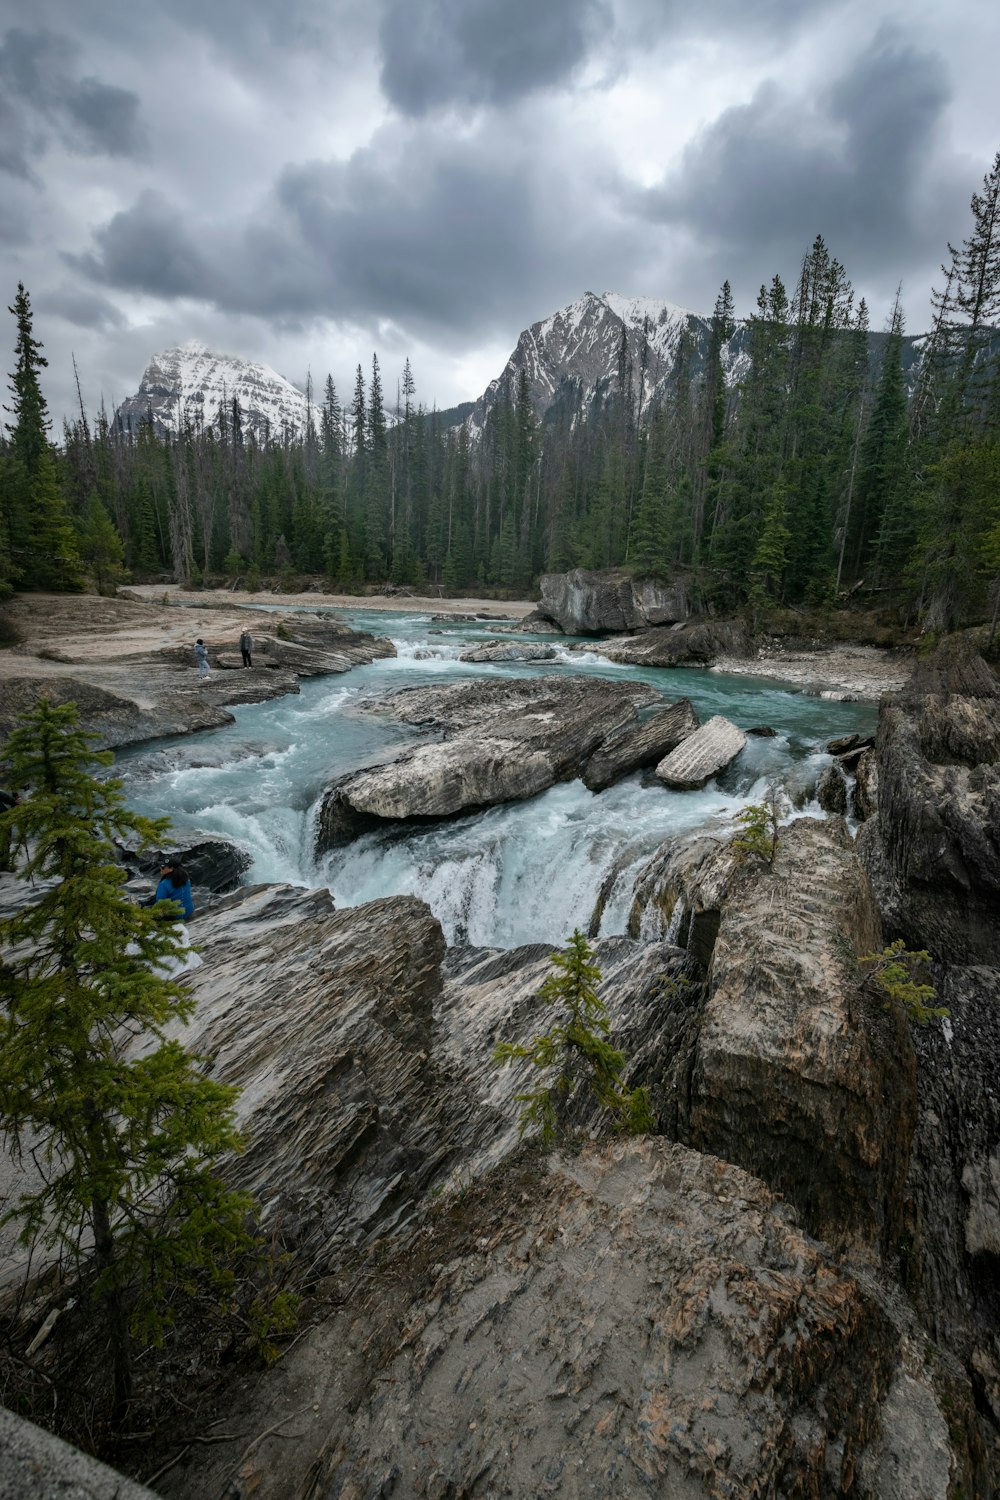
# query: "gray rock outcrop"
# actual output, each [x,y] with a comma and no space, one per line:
[637,1320]
[505,741]
[641,744]
[34,1465]
[702,755]
[831,790]
[932,849]
[153,693]
[584,603]
[214,864]
[798,1076]
[694,643]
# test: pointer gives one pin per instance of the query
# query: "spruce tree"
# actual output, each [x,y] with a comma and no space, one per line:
[40,540]
[100,544]
[127,1131]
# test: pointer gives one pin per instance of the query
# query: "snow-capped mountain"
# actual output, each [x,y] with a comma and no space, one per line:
[192,381]
[579,347]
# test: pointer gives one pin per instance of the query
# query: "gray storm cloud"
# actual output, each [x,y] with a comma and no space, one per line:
[41,94]
[468,52]
[424,237]
[848,162]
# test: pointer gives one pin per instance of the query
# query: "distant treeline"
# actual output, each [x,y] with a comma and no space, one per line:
[818,473]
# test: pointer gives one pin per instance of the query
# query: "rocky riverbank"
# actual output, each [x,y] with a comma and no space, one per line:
[129,664]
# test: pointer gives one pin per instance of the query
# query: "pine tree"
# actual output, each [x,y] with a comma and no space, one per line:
[100,544]
[40,543]
[128,1144]
[577,1049]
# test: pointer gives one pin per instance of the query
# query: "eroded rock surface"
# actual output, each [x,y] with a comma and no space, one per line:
[152,693]
[950,1248]
[505,741]
[694,643]
[643,1321]
[798,1076]
[932,849]
[702,754]
[640,744]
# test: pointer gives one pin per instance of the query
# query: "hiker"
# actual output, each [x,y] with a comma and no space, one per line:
[201,656]
[8,849]
[246,647]
[174,886]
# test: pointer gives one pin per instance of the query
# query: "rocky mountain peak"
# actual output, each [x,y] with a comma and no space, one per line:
[578,347]
[190,382]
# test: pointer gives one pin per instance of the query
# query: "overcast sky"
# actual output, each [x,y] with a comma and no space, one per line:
[306,181]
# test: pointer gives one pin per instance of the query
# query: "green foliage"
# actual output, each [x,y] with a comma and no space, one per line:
[759,835]
[577,1046]
[892,973]
[100,545]
[126,1131]
[37,542]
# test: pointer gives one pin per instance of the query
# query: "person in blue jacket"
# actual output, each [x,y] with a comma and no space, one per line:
[174,886]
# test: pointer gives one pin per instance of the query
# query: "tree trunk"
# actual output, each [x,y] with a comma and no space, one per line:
[114,1310]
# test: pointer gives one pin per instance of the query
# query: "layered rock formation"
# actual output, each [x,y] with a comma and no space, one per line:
[694,643]
[644,1317]
[932,849]
[931,793]
[133,682]
[639,745]
[786,1022]
[641,1320]
[509,651]
[506,741]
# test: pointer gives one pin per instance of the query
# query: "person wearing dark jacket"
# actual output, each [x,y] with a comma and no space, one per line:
[246,647]
[174,886]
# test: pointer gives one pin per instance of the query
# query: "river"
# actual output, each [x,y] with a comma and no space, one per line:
[521,873]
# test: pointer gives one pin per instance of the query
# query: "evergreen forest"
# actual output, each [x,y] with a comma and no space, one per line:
[832,462]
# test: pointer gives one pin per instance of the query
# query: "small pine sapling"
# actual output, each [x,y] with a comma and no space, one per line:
[758,830]
[891,974]
[577,1045]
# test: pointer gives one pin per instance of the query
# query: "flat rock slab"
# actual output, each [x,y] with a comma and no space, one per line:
[702,754]
[639,745]
[504,741]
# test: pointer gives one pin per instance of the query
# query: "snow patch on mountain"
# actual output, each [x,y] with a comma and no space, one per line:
[191,382]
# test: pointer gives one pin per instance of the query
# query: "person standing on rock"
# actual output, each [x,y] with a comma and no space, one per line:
[201,656]
[246,647]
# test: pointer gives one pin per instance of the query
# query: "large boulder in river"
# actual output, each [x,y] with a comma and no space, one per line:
[584,603]
[506,741]
[692,643]
[639,745]
[932,849]
[702,755]
[509,651]
[798,1075]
